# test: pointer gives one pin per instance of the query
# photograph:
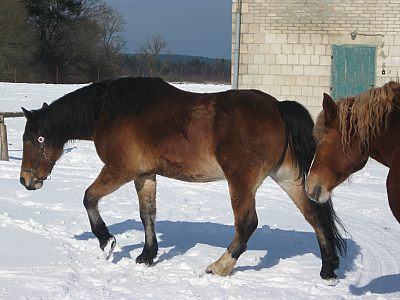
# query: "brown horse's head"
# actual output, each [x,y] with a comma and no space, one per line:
[333,161]
[39,156]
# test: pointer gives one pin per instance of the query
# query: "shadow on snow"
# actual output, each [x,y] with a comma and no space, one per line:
[382,285]
[182,236]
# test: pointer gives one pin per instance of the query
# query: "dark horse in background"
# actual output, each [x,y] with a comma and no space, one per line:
[352,130]
[144,126]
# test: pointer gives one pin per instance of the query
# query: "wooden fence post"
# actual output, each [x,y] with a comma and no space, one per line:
[3,139]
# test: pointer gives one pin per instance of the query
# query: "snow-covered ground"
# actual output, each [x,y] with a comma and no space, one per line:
[48,252]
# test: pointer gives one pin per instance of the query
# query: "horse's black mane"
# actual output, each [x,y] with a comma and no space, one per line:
[74,115]
[126,96]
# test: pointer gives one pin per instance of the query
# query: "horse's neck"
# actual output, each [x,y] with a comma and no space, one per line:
[66,125]
[385,148]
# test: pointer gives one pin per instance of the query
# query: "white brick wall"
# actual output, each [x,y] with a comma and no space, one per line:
[286,44]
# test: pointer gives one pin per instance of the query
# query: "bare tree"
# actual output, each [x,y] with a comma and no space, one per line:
[149,54]
[111,25]
[96,42]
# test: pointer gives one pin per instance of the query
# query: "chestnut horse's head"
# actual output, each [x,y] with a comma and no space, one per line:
[333,162]
[39,156]
[344,132]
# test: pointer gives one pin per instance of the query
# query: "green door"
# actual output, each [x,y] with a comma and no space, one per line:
[353,69]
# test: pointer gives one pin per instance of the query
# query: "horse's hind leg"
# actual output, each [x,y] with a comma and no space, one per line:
[107,182]
[243,204]
[146,190]
[294,187]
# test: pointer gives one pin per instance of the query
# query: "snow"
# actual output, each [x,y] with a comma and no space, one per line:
[48,251]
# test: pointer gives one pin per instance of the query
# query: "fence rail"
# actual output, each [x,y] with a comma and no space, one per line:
[3,132]
[9,114]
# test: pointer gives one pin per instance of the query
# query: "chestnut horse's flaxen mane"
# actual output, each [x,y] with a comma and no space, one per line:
[364,116]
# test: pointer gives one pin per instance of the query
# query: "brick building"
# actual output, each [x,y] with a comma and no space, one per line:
[299,49]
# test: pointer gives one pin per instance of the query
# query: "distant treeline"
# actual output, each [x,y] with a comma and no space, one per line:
[181,68]
[75,41]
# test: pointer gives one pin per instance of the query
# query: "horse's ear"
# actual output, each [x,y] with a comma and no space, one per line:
[28,114]
[45,105]
[329,107]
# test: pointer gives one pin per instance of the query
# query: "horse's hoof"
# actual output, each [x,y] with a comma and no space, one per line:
[145,259]
[223,266]
[211,269]
[108,248]
[214,269]
[333,281]
[327,274]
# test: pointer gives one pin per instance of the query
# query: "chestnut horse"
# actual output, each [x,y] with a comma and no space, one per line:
[143,127]
[352,130]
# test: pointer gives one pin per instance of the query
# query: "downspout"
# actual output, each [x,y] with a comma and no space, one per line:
[237,45]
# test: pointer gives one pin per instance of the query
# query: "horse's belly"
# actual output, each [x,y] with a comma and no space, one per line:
[202,170]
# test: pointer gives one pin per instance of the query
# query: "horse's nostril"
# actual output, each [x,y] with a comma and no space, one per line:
[22,180]
[317,192]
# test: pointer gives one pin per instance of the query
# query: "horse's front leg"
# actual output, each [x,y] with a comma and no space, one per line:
[109,180]
[146,190]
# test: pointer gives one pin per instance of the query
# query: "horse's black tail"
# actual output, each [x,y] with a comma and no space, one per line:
[299,131]
[329,221]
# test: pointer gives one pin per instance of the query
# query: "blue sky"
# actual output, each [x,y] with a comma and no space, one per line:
[191,27]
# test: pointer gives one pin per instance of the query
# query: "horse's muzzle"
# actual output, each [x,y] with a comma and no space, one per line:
[31,185]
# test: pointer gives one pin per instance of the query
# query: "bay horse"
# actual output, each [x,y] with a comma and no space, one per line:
[143,127]
[352,130]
